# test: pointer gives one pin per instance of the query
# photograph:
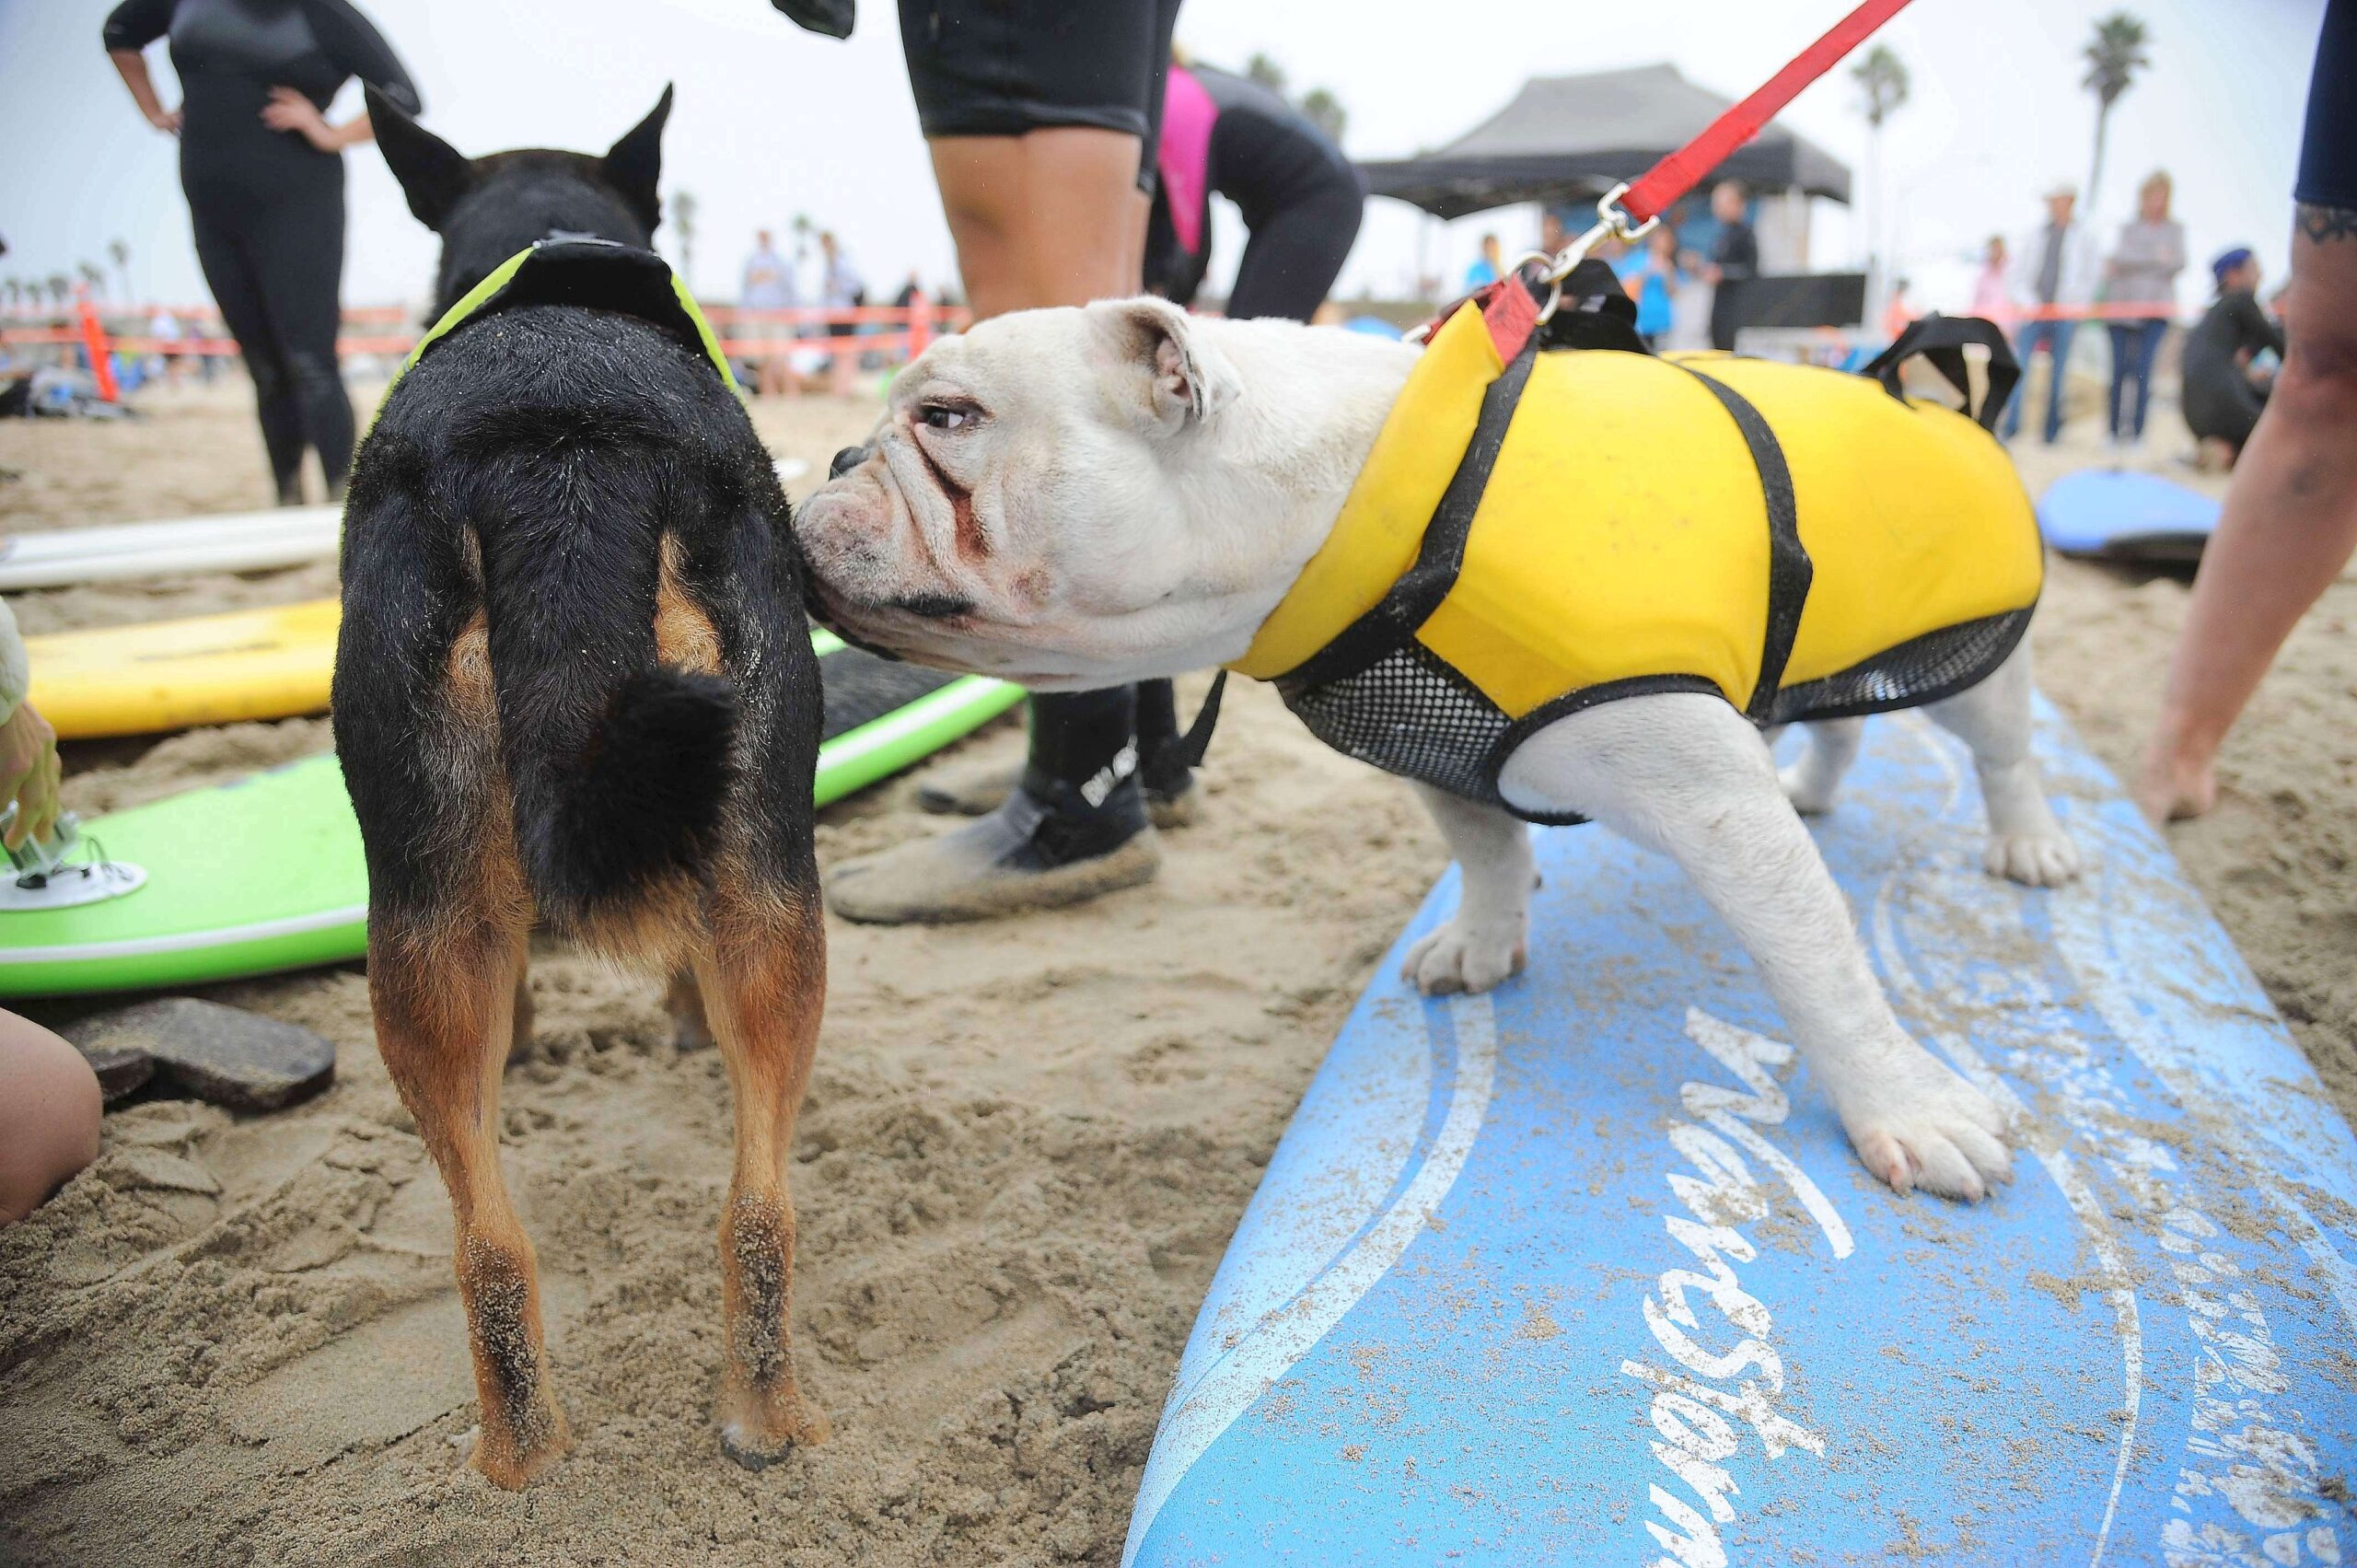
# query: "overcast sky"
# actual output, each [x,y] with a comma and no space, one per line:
[771,122]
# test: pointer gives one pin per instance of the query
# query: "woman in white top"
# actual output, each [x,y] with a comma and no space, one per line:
[49,1096]
[2141,272]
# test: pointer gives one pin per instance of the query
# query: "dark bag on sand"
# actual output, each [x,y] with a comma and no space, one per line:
[831,17]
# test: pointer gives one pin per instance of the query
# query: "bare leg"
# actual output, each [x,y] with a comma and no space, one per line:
[49,1115]
[1042,219]
[1488,938]
[764,992]
[444,1013]
[2289,526]
[1687,776]
[2026,844]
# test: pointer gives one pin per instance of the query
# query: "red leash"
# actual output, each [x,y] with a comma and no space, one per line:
[1628,212]
[1676,174]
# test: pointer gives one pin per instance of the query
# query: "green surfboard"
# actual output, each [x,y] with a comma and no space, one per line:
[266,874]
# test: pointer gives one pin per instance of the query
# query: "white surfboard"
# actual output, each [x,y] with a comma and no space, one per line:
[234,541]
[230,542]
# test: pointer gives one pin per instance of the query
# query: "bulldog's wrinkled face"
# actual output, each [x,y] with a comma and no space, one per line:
[1028,507]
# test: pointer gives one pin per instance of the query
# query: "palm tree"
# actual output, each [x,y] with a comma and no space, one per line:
[2114,56]
[1882,82]
[95,276]
[1323,109]
[120,254]
[60,289]
[1266,72]
[683,219]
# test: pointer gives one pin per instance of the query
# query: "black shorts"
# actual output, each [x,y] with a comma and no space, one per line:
[2329,151]
[1004,67]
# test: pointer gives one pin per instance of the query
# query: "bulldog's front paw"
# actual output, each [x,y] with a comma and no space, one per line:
[2035,860]
[1916,1124]
[1458,959]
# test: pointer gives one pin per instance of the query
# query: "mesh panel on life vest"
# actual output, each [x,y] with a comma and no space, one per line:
[1408,713]
[1924,669]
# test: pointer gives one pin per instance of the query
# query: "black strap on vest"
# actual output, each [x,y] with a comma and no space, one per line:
[1790,571]
[1418,592]
[1197,738]
[1941,340]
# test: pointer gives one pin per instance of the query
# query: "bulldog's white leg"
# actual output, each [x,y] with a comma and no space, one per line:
[1810,782]
[1687,775]
[1489,936]
[2025,842]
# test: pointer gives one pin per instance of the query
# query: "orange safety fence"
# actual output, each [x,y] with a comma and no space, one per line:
[2126,312]
[759,332]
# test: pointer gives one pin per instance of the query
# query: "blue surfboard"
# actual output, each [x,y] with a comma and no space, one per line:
[1584,1271]
[2121,515]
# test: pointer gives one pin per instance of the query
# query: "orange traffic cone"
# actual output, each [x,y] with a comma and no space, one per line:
[94,340]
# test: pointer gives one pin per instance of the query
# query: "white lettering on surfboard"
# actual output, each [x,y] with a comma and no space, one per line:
[1692,1404]
[2245,1446]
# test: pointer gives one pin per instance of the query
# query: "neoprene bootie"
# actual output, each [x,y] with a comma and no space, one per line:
[976,789]
[1031,853]
[1171,797]
[1073,828]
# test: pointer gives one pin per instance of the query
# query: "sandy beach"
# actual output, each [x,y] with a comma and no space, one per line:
[236,1340]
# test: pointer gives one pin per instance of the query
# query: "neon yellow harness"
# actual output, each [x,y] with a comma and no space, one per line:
[589,272]
[1795,539]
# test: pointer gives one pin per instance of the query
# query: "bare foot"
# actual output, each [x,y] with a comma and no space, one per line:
[2170,790]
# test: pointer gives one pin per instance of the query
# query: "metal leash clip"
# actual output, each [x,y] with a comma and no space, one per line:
[1611,224]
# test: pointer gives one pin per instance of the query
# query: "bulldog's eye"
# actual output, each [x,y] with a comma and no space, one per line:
[945,417]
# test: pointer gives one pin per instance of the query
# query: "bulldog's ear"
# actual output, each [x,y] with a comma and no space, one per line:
[1184,380]
[633,166]
[433,175]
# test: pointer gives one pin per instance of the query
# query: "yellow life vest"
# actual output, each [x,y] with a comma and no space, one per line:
[1528,539]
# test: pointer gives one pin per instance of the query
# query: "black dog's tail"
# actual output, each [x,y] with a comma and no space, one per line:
[619,767]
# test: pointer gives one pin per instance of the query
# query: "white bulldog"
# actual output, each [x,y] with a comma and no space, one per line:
[1076,498]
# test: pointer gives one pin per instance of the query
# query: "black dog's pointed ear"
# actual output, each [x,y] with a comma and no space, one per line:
[433,174]
[633,166]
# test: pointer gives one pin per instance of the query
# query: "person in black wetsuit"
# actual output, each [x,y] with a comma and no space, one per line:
[2221,403]
[1302,204]
[263,172]
[1302,200]
[1041,118]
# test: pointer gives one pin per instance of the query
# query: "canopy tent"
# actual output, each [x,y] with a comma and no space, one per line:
[1569,139]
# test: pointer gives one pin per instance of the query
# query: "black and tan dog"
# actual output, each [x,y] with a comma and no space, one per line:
[573,692]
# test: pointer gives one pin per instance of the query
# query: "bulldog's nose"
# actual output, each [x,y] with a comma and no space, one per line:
[845,461]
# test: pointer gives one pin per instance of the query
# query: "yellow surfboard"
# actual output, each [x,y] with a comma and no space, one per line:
[249,664]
